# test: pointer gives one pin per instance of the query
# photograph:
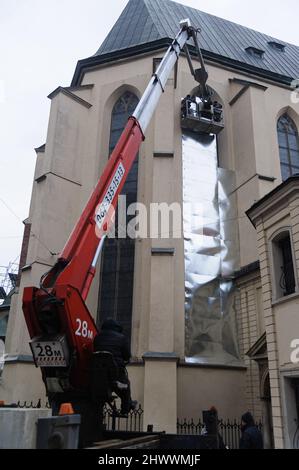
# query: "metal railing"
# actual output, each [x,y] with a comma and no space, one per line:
[112,422]
[133,423]
[8,279]
[32,405]
[230,431]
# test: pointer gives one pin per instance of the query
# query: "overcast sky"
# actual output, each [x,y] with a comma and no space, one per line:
[40,43]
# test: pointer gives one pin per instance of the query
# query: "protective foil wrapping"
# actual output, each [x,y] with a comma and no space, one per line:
[211,254]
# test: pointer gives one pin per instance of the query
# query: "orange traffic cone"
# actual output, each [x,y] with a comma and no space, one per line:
[66,409]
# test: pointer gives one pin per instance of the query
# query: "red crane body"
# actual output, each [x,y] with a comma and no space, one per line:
[68,283]
[60,326]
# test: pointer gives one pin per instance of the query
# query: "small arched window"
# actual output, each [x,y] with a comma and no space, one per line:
[288,146]
[117,270]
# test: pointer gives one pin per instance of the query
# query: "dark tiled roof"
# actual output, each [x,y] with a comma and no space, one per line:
[146,21]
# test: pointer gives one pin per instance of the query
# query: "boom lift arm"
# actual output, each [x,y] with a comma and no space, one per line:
[200,75]
[60,326]
[199,112]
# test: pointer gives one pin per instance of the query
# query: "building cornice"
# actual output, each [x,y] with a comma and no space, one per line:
[274,201]
[18,359]
[161,356]
[41,149]
[259,349]
[237,367]
[69,94]
[44,176]
[246,270]
[93,62]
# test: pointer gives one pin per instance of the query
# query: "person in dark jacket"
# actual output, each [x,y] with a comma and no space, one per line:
[211,424]
[112,339]
[251,436]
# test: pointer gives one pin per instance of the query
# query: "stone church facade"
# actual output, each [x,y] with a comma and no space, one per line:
[141,282]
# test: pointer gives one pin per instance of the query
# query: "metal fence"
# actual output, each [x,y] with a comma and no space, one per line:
[32,405]
[230,431]
[133,423]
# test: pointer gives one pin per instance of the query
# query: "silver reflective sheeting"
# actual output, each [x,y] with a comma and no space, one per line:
[211,254]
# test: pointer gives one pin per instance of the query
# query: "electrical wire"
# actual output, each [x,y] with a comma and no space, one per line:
[43,244]
[10,209]
[32,233]
[153,236]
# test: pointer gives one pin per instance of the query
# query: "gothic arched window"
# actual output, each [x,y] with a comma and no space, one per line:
[288,146]
[117,270]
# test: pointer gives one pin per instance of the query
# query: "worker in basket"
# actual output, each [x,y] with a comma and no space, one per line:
[112,340]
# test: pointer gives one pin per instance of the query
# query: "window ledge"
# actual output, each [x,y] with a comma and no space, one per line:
[282,300]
